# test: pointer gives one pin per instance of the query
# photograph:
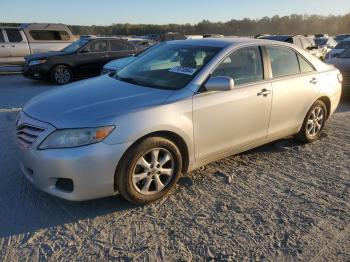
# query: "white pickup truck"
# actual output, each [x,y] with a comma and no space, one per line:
[18,42]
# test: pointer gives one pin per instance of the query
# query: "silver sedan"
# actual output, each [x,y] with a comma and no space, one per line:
[178,107]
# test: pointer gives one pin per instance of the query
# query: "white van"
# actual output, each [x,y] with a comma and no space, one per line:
[18,42]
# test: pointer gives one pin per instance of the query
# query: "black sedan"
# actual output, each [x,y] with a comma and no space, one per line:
[83,58]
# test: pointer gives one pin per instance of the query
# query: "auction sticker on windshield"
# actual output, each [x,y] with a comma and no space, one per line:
[183,70]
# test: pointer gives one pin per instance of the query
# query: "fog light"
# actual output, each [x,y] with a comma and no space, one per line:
[65,184]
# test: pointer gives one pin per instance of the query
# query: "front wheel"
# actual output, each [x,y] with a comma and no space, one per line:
[61,75]
[149,170]
[313,123]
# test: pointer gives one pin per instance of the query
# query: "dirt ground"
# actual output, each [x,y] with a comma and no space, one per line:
[281,202]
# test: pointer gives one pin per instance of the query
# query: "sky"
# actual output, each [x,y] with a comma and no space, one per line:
[106,12]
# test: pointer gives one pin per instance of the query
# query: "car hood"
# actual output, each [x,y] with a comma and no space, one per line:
[45,55]
[343,64]
[94,102]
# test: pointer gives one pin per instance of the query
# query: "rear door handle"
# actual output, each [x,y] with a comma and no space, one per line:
[264,92]
[2,45]
[313,81]
[105,56]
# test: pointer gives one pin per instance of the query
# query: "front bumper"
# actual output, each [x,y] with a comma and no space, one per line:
[35,72]
[90,168]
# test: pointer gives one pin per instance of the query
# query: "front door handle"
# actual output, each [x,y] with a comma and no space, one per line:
[105,56]
[2,45]
[313,81]
[264,92]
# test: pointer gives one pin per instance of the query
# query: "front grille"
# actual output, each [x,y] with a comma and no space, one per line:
[27,134]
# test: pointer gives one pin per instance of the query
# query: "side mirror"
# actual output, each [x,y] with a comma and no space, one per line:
[219,83]
[84,51]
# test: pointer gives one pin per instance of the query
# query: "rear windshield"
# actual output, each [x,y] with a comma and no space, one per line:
[321,41]
[49,35]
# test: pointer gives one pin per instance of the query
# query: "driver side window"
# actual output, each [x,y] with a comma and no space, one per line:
[244,66]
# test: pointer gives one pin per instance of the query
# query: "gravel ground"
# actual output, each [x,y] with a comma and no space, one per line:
[282,202]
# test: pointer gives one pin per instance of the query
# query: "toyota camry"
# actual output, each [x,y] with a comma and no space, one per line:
[170,111]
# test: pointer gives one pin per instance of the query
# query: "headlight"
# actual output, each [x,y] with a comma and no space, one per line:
[66,138]
[37,62]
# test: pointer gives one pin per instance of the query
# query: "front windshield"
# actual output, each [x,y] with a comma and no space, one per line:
[170,66]
[345,54]
[75,46]
[343,45]
[321,41]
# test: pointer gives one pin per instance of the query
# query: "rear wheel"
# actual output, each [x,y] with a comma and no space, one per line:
[313,123]
[61,75]
[149,170]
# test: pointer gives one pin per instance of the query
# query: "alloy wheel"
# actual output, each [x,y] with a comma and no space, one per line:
[153,171]
[62,75]
[315,122]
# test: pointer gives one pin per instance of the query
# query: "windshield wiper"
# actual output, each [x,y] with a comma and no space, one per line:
[131,81]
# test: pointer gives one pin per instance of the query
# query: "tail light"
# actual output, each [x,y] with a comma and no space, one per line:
[340,78]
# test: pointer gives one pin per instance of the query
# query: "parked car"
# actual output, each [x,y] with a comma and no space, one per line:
[338,49]
[170,36]
[115,65]
[142,43]
[300,41]
[136,132]
[325,42]
[18,42]
[341,37]
[342,62]
[83,58]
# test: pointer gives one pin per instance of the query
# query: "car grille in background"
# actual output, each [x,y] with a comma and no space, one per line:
[27,134]
[346,80]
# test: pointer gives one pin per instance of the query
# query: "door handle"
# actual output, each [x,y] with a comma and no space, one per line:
[2,45]
[13,46]
[105,56]
[264,92]
[313,81]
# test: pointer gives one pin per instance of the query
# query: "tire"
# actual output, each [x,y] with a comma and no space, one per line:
[141,177]
[314,123]
[61,75]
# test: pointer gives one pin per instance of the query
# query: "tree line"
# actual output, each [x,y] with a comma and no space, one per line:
[293,24]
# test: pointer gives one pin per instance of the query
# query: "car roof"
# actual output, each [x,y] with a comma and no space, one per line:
[226,42]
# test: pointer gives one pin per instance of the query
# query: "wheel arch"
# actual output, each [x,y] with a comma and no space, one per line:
[327,102]
[170,135]
[62,64]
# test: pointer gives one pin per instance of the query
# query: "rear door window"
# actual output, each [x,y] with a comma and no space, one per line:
[118,45]
[284,61]
[2,39]
[305,67]
[243,66]
[14,35]
[99,46]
